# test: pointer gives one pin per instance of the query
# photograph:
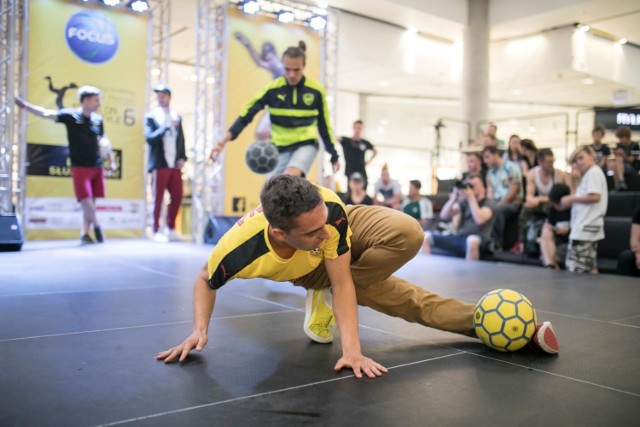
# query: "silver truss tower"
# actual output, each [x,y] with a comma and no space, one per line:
[158,45]
[210,110]
[13,21]
[329,74]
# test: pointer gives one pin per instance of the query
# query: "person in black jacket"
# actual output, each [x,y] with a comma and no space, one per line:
[163,132]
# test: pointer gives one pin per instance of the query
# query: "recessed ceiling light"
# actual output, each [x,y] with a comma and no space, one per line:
[622,40]
[585,28]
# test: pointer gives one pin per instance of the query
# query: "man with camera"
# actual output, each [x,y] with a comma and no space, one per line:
[469,206]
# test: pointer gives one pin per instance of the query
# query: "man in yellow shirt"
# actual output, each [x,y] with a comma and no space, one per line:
[302,233]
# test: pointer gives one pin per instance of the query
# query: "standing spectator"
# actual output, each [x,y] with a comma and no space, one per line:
[357,194]
[472,237]
[298,111]
[492,130]
[602,150]
[505,188]
[417,206]
[554,238]
[389,189]
[629,260]
[354,150]
[540,181]
[475,165]
[627,153]
[85,130]
[163,132]
[588,207]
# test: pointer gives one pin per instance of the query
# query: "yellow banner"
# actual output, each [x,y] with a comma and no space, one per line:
[72,44]
[245,78]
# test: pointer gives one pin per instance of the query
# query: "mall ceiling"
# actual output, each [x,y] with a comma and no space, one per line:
[444,20]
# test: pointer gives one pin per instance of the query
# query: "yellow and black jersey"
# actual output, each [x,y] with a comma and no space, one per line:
[245,251]
[295,112]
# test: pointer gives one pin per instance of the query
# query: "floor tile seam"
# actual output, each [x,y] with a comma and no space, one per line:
[151,325]
[33,294]
[566,377]
[283,390]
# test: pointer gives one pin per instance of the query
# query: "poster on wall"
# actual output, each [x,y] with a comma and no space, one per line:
[73,44]
[255,48]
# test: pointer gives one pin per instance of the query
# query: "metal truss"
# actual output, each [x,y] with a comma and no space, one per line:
[210,112]
[158,45]
[329,74]
[13,19]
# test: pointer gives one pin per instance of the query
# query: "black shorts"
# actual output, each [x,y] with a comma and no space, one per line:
[457,244]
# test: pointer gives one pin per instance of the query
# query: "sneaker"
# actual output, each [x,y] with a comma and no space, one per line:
[172,236]
[318,320]
[98,233]
[517,248]
[86,240]
[160,237]
[621,186]
[544,339]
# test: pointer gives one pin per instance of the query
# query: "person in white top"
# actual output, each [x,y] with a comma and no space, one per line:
[588,208]
[539,181]
[389,189]
[163,132]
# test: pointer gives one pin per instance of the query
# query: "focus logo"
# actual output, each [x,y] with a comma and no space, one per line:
[91,36]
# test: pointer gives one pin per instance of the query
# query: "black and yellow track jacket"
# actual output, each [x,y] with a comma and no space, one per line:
[295,113]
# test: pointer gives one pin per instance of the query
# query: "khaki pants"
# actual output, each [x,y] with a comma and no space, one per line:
[384,240]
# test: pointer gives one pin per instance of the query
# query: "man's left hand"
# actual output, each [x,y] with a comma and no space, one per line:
[179,163]
[360,364]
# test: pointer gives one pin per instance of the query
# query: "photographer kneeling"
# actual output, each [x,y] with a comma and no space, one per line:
[472,236]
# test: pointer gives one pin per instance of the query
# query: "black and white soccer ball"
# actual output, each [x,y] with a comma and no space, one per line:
[262,157]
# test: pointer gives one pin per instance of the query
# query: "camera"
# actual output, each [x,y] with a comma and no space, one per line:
[460,184]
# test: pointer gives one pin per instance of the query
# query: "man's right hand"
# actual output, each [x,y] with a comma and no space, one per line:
[196,340]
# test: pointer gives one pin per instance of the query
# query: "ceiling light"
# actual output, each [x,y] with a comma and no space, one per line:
[250,7]
[111,2]
[286,16]
[622,40]
[318,22]
[585,28]
[139,5]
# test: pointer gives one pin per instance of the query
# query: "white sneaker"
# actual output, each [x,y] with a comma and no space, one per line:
[160,237]
[173,236]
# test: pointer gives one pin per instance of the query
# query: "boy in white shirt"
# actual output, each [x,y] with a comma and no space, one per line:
[588,208]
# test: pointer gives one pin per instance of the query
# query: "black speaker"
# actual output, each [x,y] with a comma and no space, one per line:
[10,234]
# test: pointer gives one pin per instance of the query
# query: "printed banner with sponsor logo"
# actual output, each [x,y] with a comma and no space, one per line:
[250,37]
[73,44]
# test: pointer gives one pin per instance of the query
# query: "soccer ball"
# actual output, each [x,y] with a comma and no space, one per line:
[262,157]
[504,320]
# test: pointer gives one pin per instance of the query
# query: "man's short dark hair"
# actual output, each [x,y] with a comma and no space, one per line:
[599,128]
[297,52]
[285,197]
[358,122]
[558,191]
[623,132]
[491,149]
[475,175]
[544,152]
[475,154]
[416,183]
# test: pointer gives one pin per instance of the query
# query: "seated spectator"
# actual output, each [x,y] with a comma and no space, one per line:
[529,155]
[475,165]
[504,186]
[539,181]
[588,208]
[417,206]
[602,150]
[554,238]
[472,237]
[629,260]
[492,130]
[357,194]
[389,189]
[514,151]
[627,153]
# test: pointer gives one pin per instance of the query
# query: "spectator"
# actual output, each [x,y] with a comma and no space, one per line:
[472,237]
[389,189]
[504,186]
[627,153]
[554,238]
[602,150]
[85,131]
[163,132]
[492,129]
[475,165]
[357,194]
[417,206]
[629,260]
[529,155]
[354,150]
[514,151]
[539,181]
[588,207]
